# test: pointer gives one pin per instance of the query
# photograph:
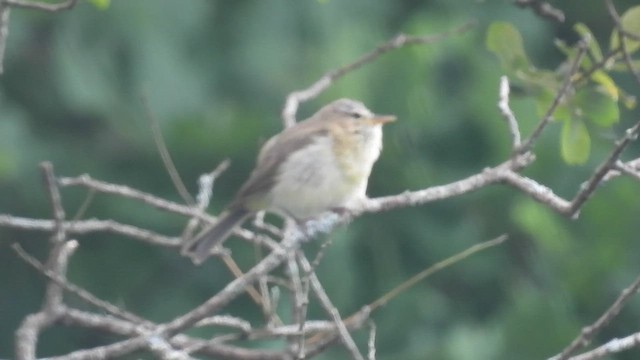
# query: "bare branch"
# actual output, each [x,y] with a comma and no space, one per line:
[205,191]
[587,333]
[235,287]
[90,226]
[295,98]
[621,35]
[505,110]
[381,301]
[612,347]
[130,193]
[564,90]
[27,334]
[5,10]
[543,9]
[81,293]
[161,146]
[107,351]
[474,182]
[618,22]
[626,169]
[587,189]
[56,202]
[25,4]
[331,310]
[371,355]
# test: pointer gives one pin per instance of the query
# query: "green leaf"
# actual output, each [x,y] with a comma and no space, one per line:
[607,85]
[597,107]
[575,143]
[100,4]
[630,21]
[504,40]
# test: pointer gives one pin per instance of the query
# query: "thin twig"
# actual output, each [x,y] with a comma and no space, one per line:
[169,165]
[623,167]
[614,346]
[300,295]
[543,9]
[331,310]
[91,194]
[205,192]
[27,334]
[25,4]
[434,269]
[621,35]
[371,355]
[618,22]
[5,11]
[588,332]
[564,90]
[295,98]
[474,182]
[90,226]
[131,193]
[588,188]
[81,293]
[235,287]
[505,110]
[56,202]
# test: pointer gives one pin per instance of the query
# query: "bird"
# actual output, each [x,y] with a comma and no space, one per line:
[320,164]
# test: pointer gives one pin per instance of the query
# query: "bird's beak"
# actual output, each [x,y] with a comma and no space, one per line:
[382,119]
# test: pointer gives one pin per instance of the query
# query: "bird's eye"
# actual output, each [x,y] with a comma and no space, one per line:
[356,115]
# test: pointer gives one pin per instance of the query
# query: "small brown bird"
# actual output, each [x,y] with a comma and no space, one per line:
[317,165]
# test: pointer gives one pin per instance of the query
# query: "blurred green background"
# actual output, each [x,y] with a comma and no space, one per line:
[216,74]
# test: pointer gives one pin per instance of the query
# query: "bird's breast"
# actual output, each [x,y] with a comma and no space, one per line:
[327,173]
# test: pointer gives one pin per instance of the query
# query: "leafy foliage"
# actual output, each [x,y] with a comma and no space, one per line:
[592,96]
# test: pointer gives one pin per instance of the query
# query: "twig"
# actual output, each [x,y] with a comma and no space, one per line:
[169,165]
[543,9]
[91,194]
[612,347]
[618,21]
[474,182]
[65,5]
[28,332]
[621,35]
[164,351]
[564,89]
[225,321]
[159,203]
[331,310]
[131,193]
[300,295]
[235,287]
[205,191]
[587,189]
[74,289]
[625,168]
[505,110]
[295,98]
[381,301]
[5,10]
[588,332]
[371,355]
[55,200]
[89,226]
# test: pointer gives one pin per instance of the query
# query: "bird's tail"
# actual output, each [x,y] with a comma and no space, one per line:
[199,248]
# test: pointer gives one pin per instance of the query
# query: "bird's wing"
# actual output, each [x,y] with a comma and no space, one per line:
[272,155]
